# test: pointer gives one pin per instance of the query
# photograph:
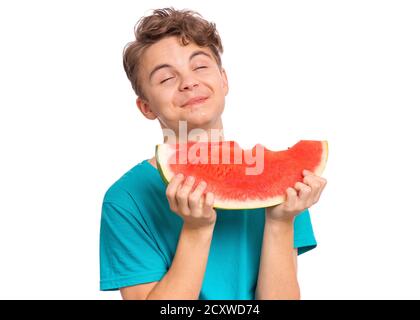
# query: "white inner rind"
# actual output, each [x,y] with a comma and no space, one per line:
[166,151]
[247,204]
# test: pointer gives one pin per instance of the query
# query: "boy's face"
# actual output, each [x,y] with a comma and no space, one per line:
[172,74]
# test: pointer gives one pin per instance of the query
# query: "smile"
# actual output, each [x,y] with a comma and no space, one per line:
[195,102]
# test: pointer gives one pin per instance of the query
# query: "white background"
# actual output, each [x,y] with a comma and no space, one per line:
[344,71]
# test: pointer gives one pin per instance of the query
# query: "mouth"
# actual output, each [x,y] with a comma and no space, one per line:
[195,101]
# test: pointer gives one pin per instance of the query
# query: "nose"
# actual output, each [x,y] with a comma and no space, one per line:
[188,83]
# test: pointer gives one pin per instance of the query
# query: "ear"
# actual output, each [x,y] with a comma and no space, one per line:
[144,108]
[225,82]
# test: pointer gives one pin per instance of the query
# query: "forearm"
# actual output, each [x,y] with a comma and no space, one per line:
[277,277]
[185,276]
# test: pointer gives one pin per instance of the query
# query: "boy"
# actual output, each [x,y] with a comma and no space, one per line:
[167,242]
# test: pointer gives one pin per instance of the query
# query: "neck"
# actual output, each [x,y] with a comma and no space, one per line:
[213,134]
[186,133]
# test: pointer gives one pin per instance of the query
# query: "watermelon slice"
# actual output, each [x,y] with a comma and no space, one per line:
[226,168]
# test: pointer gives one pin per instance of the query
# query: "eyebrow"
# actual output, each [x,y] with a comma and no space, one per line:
[165,65]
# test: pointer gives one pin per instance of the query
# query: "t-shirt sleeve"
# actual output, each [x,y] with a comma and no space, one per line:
[304,238]
[128,253]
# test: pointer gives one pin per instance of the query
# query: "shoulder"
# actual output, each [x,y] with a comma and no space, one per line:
[132,190]
[132,183]
[124,197]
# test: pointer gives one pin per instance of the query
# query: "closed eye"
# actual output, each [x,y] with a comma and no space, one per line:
[201,67]
[166,80]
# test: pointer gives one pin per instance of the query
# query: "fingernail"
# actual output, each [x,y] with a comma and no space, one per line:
[180,175]
[190,179]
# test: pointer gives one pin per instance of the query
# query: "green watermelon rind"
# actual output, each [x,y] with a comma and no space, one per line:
[159,167]
[241,205]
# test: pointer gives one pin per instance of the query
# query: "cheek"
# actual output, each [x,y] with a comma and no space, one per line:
[162,103]
[214,84]
[221,85]
[162,96]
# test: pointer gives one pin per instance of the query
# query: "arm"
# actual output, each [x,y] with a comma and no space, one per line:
[185,276]
[277,277]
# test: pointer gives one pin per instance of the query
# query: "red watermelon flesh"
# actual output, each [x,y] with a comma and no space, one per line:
[226,169]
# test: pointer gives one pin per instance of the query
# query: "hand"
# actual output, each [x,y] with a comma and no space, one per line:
[299,198]
[194,206]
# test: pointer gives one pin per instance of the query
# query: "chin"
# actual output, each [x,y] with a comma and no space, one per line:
[200,122]
[203,116]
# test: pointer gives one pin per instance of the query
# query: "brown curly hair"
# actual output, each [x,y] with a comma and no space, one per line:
[188,25]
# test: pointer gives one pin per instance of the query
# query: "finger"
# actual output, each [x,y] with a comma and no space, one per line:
[291,198]
[307,173]
[182,195]
[304,195]
[195,199]
[171,190]
[315,184]
[209,199]
[208,204]
[323,184]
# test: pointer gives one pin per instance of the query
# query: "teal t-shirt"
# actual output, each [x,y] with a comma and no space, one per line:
[139,235]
